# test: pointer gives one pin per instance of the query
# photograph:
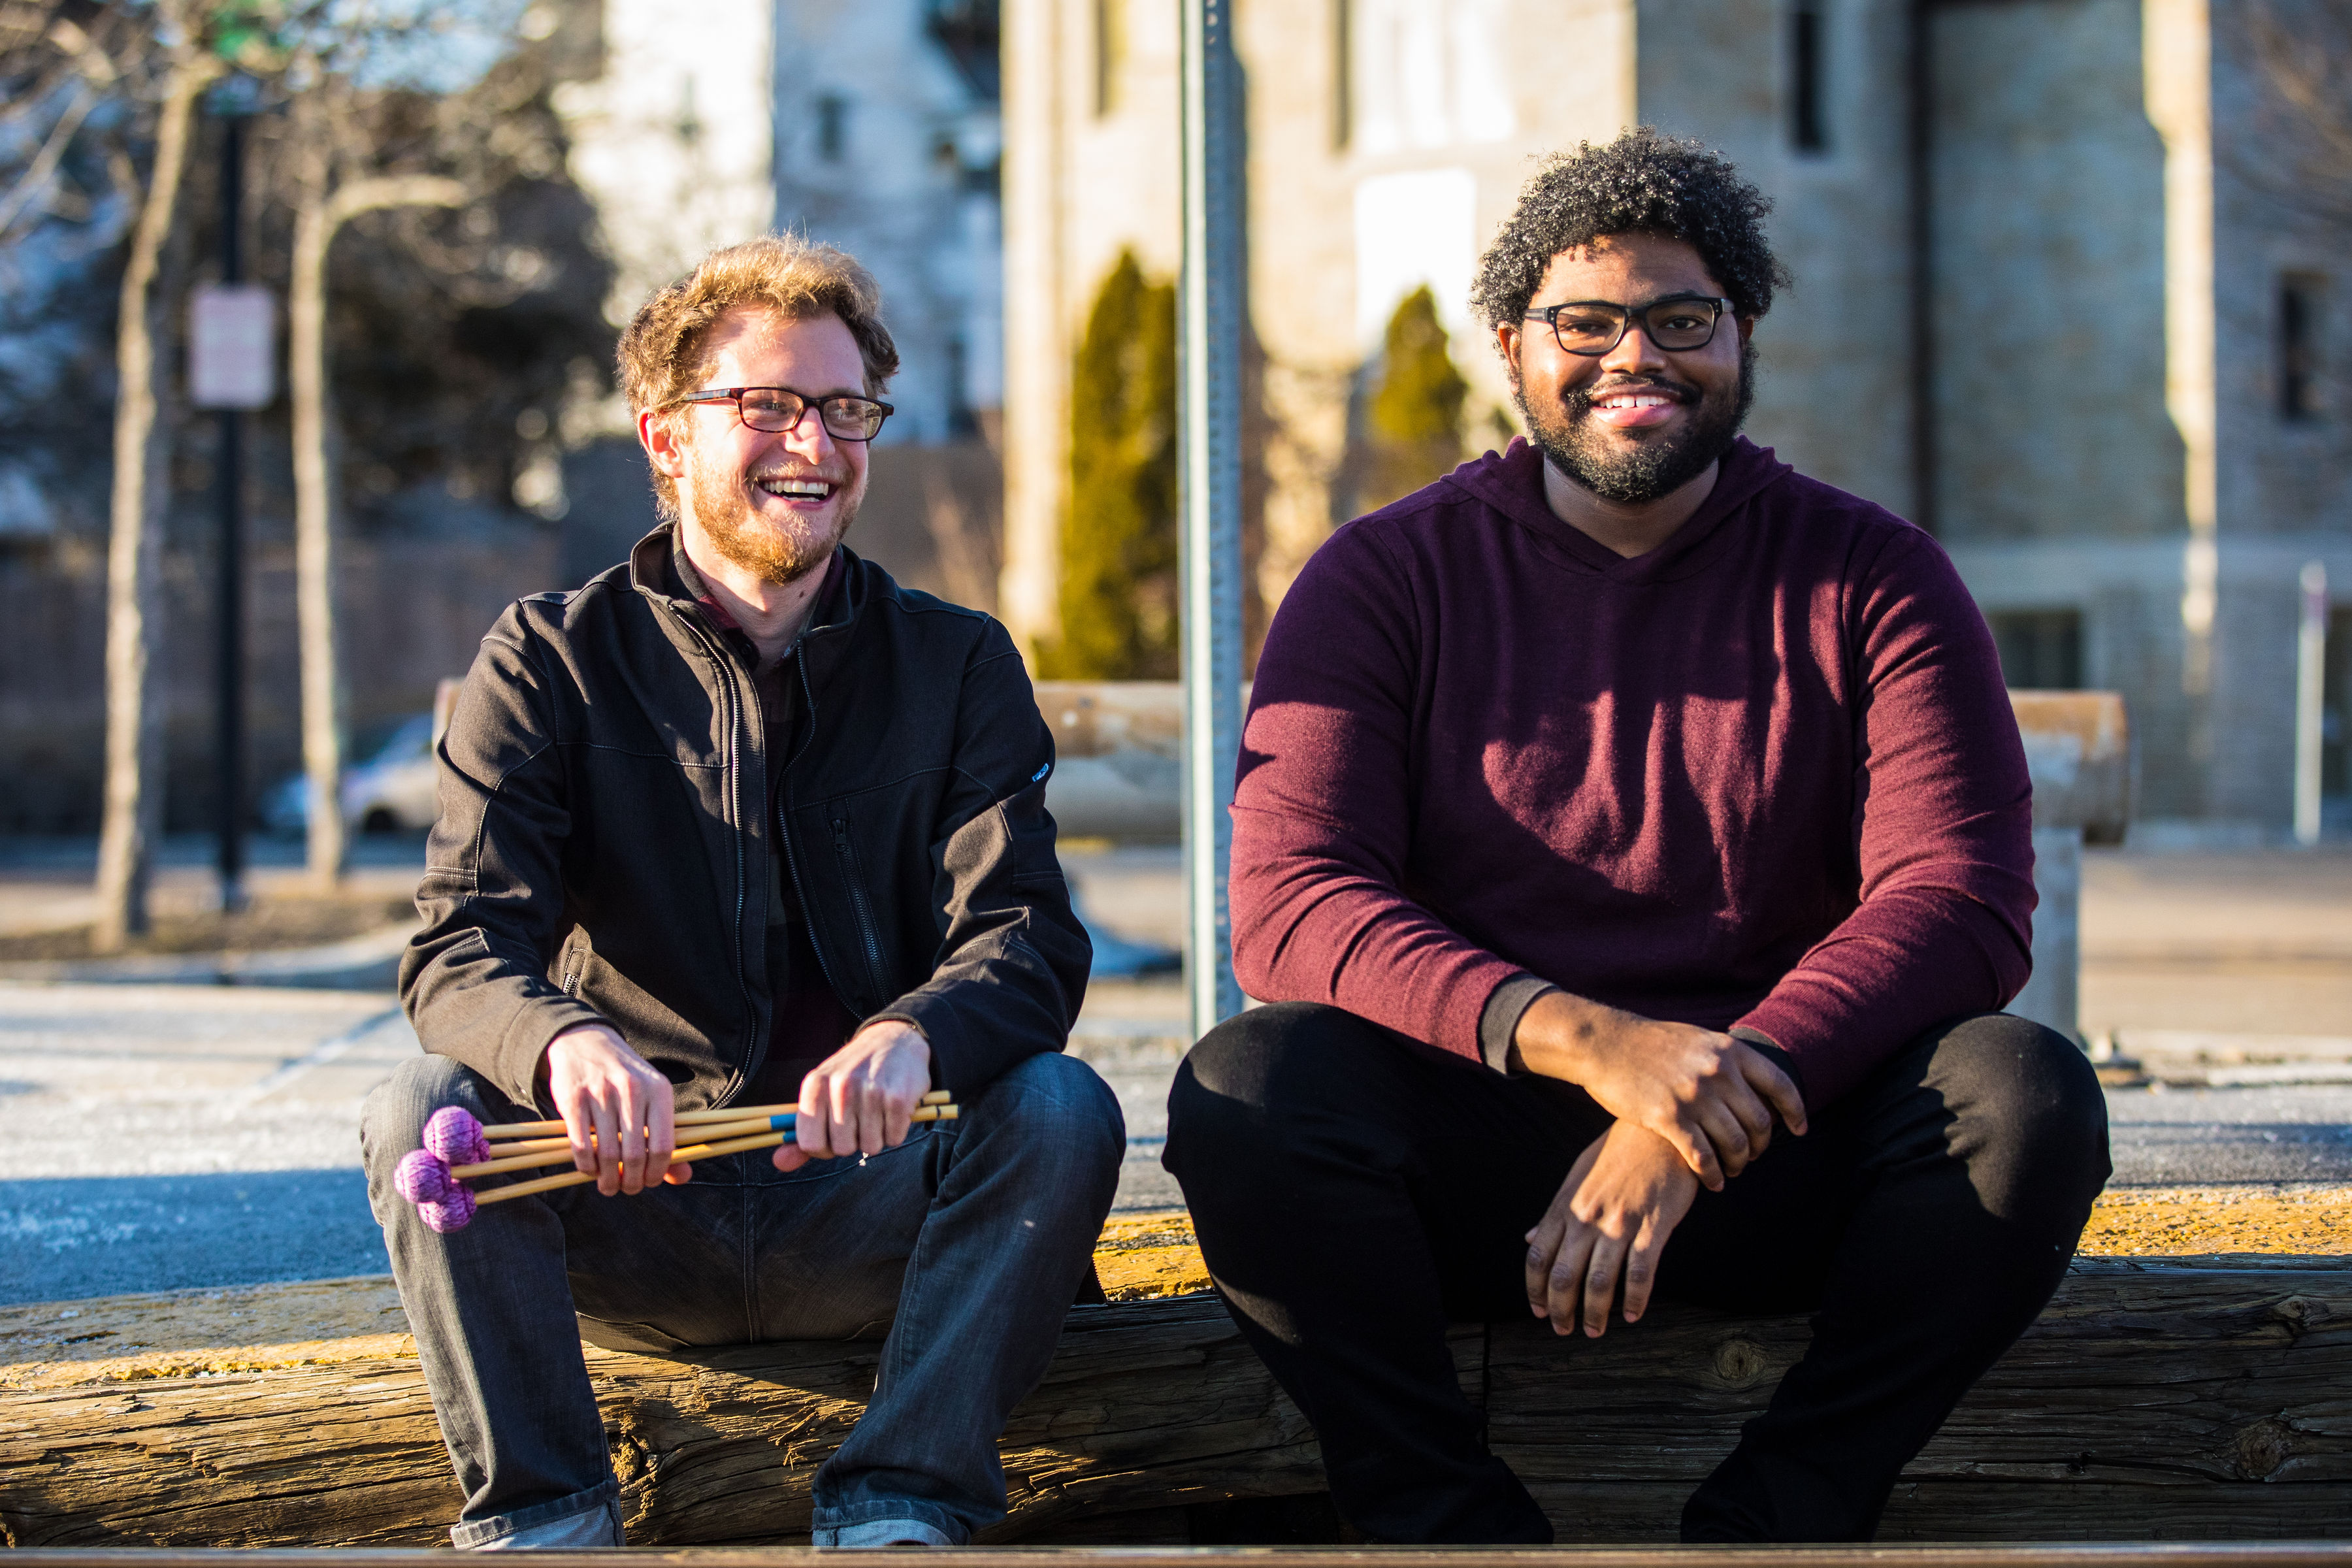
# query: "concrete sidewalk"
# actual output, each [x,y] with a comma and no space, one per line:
[45,884]
[154,1137]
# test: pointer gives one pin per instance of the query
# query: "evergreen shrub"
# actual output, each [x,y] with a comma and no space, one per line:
[1414,418]
[1119,535]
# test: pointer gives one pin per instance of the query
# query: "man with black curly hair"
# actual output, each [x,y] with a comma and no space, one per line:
[1633,841]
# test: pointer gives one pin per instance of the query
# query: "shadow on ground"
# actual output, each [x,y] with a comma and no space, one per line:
[102,1235]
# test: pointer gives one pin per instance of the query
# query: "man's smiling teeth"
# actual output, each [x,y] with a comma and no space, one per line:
[816,488]
[1634,400]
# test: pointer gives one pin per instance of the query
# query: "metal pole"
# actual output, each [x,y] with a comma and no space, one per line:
[1212,312]
[228,711]
[2310,694]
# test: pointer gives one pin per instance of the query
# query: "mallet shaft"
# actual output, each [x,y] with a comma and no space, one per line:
[695,1119]
[764,1132]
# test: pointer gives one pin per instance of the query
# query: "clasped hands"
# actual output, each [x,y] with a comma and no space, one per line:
[1692,1107]
[617,1108]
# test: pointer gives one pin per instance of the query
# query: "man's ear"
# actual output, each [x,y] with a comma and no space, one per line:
[1747,328]
[1506,343]
[663,443]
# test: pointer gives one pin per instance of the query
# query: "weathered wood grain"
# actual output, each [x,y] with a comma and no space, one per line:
[2202,1555]
[2150,1402]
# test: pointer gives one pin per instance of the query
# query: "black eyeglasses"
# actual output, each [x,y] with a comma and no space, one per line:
[1678,323]
[776,409]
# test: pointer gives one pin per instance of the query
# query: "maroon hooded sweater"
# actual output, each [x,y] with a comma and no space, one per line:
[1765,775]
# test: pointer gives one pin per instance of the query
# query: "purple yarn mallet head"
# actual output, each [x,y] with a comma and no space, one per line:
[442,1200]
[423,1177]
[451,1213]
[456,1136]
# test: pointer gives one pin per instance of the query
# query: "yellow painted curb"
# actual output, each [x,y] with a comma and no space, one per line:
[1141,1257]
[1145,1256]
[2177,1222]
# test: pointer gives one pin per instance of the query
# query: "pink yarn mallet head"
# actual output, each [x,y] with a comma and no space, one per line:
[456,1136]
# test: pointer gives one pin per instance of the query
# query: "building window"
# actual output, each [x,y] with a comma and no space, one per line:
[2302,308]
[2041,650]
[1808,103]
[832,127]
[1110,53]
[1420,77]
[1343,72]
[2335,708]
[962,419]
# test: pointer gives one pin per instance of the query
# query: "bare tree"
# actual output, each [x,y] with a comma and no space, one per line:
[133,794]
[322,214]
[2300,52]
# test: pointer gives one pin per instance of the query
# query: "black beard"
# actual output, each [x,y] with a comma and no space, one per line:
[1656,468]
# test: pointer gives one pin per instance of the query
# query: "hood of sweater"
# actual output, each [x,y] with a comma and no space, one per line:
[1511,482]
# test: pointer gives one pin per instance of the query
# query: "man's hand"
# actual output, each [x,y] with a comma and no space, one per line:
[1707,1095]
[1623,1198]
[616,1109]
[859,1101]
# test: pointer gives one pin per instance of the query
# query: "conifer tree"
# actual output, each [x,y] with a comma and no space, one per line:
[1415,417]
[1119,535]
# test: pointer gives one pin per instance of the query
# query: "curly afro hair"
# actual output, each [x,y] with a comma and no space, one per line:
[1643,183]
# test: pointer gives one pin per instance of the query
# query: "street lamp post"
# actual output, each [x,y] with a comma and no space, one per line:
[231,372]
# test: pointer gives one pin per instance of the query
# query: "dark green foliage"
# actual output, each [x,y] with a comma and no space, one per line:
[1415,415]
[1119,536]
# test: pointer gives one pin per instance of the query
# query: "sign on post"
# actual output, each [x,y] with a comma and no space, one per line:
[232,346]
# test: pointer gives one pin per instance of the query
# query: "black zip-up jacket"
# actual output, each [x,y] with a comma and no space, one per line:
[601,851]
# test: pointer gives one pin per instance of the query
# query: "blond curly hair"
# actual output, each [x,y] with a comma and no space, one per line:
[662,352]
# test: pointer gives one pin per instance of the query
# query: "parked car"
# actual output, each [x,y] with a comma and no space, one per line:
[392,791]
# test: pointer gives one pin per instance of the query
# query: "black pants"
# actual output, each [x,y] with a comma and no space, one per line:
[1354,1194]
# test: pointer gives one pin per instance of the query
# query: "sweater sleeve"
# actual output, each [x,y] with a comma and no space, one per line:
[1943,833]
[1322,822]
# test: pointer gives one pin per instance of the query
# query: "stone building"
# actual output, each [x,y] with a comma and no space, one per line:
[2043,304]
[873,128]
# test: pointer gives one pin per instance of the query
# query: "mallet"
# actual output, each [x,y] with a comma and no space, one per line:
[432,1179]
[683,1119]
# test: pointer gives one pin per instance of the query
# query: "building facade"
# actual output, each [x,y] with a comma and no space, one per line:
[873,128]
[2046,303]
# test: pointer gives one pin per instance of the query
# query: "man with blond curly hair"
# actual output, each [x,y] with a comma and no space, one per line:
[745,821]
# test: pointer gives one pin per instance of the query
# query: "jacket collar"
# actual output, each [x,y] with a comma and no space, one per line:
[852,583]
[1512,483]
[659,570]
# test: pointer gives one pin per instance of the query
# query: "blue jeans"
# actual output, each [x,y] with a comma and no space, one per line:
[967,1244]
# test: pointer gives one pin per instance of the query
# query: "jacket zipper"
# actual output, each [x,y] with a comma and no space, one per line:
[725,666]
[858,902]
[785,834]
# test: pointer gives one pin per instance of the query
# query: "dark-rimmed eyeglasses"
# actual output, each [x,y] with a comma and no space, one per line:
[776,409]
[1678,323]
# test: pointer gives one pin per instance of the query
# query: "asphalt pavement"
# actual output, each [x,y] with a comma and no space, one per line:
[155,1137]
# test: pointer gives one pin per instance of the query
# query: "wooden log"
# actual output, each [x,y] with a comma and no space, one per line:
[2191,1554]
[2078,749]
[1119,748]
[2151,1401]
